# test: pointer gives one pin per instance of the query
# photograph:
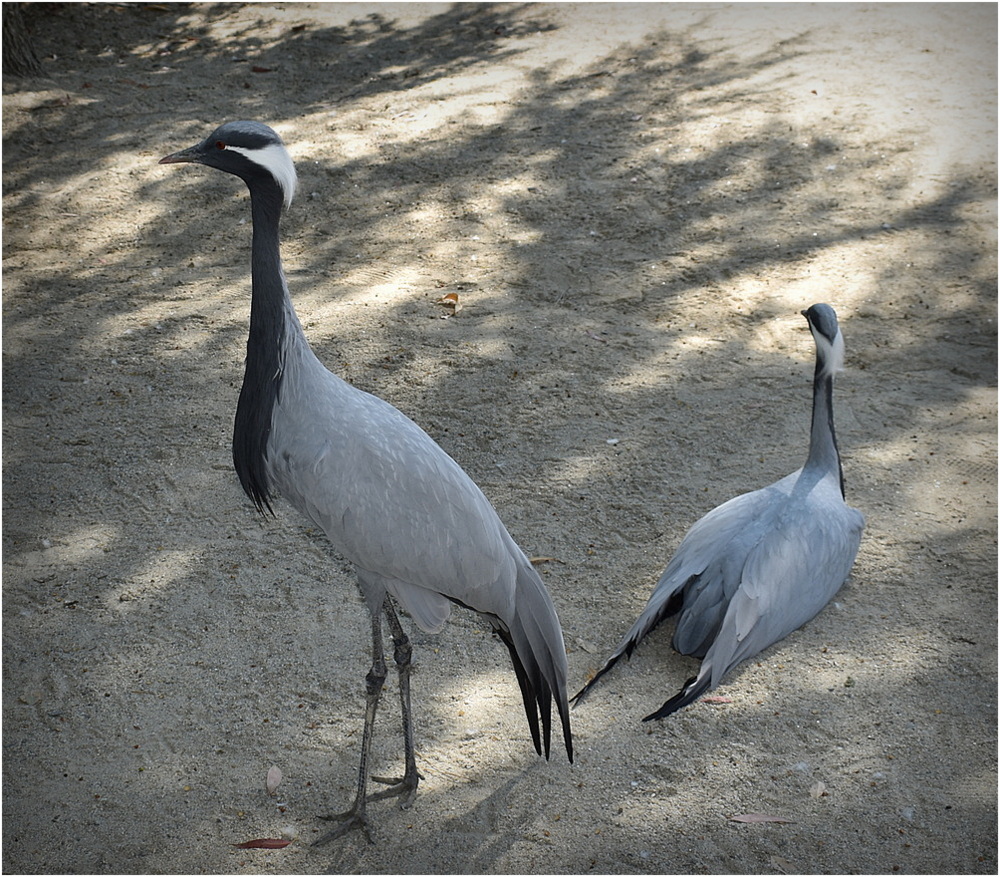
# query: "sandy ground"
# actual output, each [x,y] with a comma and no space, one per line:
[633,205]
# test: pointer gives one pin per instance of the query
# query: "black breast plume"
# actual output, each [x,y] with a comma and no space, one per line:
[260,393]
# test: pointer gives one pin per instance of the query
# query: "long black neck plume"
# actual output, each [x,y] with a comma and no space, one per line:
[823,438]
[262,378]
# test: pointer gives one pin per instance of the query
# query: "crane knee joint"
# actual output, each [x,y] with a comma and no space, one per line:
[402,653]
[375,679]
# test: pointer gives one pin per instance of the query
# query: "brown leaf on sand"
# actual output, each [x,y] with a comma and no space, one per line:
[263,843]
[759,817]
[449,301]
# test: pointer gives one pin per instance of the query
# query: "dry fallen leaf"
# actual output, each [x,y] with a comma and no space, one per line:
[759,817]
[450,301]
[263,843]
[782,864]
[274,778]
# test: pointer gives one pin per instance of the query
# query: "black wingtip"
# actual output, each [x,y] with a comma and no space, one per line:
[527,695]
[625,650]
[692,690]
[633,638]
[538,697]
[582,693]
[544,697]
[567,733]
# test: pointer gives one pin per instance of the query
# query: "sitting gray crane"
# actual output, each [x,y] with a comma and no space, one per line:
[416,527]
[764,563]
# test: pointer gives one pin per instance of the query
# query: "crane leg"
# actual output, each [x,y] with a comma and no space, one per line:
[404,787]
[355,817]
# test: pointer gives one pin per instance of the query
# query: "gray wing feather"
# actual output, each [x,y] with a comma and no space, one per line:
[788,577]
[396,505]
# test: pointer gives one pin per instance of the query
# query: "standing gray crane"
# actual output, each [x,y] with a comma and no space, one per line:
[416,527]
[764,563]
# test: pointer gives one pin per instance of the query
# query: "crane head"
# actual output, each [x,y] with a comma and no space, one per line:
[828,337]
[246,149]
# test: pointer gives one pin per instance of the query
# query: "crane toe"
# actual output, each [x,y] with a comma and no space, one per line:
[404,788]
[347,821]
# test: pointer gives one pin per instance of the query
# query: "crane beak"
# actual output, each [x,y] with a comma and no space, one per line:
[192,153]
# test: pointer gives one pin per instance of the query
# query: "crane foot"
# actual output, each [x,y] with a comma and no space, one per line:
[404,788]
[352,819]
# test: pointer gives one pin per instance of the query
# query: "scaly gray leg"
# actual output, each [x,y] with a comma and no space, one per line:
[404,787]
[355,817]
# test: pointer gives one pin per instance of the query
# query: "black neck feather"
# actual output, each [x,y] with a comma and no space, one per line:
[262,378]
[823,449]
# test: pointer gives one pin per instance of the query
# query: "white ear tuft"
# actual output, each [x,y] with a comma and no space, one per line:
[831,353]
[276,161]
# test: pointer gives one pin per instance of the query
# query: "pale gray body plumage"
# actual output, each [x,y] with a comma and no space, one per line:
[395,505]
[761,565]
[416,527]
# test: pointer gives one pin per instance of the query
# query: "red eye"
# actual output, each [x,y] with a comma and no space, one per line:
[219,144]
